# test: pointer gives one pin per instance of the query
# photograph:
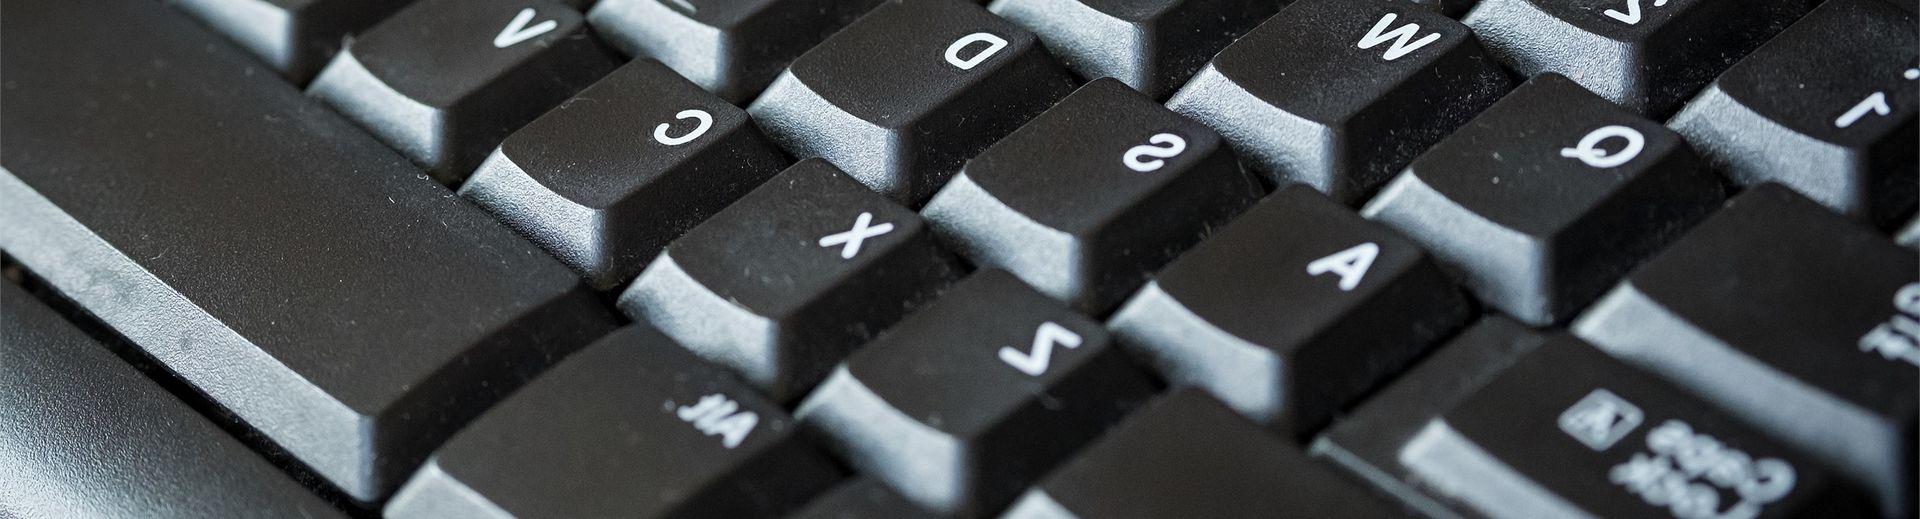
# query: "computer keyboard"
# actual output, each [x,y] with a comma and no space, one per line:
[947,258]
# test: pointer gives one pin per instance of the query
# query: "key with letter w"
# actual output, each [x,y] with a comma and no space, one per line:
[1403,42]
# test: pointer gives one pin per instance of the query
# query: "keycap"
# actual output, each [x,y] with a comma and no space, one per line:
[1909,234]
[1546,199]
[1568,432]
[631,426]
[1153,46]
[1826,108]
[294,37]
[962,404]
[1186,455]
[1451,8]
[1791,318]
[1341,94]
[443,81]
[1091,197]
[608,178]
[84,434]
[782,284]
[1366,442]
[260,248]
[1647,55]
[862,498]
[900,98]
[1292,311]
[732,48]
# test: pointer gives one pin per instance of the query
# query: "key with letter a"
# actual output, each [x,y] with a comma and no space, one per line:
[607,179]
[1790,317]
[1341,94]
[730,47]
[1826,108]
[631,426]
[906,94]
[1092,196]
[1568,432]
[783,283]
[1548,197]
[1647,55]
[962,404]
[1292,311]
[443,81]
[1151,45]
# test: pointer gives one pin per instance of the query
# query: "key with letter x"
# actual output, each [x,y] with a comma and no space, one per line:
[782,284]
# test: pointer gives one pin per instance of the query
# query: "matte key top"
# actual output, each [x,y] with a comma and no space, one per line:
[82,434]
[632,426]
[1292,312]
[906,94]
[608,178]
[1548,198]
[294,37]
[1088,199]
[733,48]
[1790,317]
[261,248]
[1153,46]
[782,284]
[1647,55]
[1569,432]
[1186,455]
[444,81]
[1342,94]
[1827,108]
[963,403]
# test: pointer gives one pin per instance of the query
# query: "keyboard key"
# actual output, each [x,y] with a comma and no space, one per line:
[966,401]
[294,37]
[862,498]
[1451,8]
[1548,198]
[1153,46]
[1602,440]
[732,48]
[1647,55]
[906,94]
[82,434]
[1341,94]
[1909,234]
[782,284]
[632,426]
[1791,318]
[1090,198]
[443,81]
[607,179]
[1366,443]
[1185,455]
[1826,108]
[262,249]
[1291,312]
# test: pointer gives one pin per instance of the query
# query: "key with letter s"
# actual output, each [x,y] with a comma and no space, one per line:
[608,178]
[1292,311]
[906,94]
[962,404]
[1546,199]
[443,81]
[631,426]
[1790,317]
[1341,94]
[783,283]
[1088,199]
[1826,108]
[1647,55]
[732,48]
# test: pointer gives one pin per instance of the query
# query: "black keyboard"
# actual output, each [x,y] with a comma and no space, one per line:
[947,258]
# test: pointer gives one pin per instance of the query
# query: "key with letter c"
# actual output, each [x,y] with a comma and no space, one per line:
[1548,197]
[604,181]
[1089,198]
[906,94]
